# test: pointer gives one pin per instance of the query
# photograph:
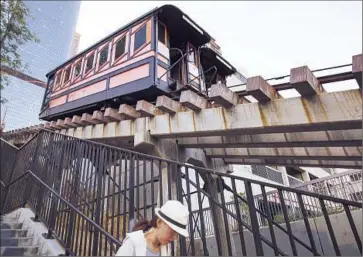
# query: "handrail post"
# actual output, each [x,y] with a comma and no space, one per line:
[99,170]
[54,204]
[131,193]
[10,179]
[75,185]
[28,186]
[41,191]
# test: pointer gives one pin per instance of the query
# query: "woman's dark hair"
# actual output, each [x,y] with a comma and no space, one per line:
[145,225]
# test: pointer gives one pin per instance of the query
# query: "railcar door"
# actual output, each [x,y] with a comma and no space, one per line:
[193,74]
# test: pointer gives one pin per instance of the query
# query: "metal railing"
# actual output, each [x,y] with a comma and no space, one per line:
[49,220]
[74,179]
[294,181]
[346,185]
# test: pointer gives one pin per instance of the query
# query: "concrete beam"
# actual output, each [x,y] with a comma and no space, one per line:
[112,114]
[222,95]
[68,122]
[167,105]
[87,119]
[143,142]
[296,153]
[145,109]
[297,139]
[327,111]
[298,163]
[357,66]
[60,124]
[53,125]
[99,117]
[338,110]
[78,120]
[260,89]
[193,101]
[304,81]
[128,112]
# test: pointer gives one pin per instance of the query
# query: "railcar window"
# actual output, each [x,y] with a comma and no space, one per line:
[67,73]
[57,81]
[120,47]
[77,69]
[161,33]
[140,38]
[103,56]
[89,62]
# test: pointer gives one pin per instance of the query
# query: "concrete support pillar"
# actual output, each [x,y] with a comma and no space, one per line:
[305,176]
[169,149]
[219,223]
[285,179]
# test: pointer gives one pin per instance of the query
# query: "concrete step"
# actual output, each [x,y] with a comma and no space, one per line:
[19,251]
[8,219]
[13,233]
[17,241]
[11,225]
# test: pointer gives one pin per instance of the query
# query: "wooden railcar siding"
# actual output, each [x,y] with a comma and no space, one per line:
[86,91]
[130,75]
[58,101]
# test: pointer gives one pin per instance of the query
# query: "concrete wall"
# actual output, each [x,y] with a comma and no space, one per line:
[322,240]
[317,172]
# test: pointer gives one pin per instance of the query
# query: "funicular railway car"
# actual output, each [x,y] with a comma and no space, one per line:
[161,53]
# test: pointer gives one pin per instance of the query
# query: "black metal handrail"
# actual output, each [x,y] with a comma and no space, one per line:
[317,70]
[68,204]
[175,63]
[115,181]
[206,170]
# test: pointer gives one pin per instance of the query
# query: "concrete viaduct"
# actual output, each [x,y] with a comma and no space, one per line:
[318,129]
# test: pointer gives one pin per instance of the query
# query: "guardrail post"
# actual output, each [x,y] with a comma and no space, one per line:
[44,174]
[9,181]
[99,171]
[29,186]
[54,204]
[131,193]
[217,216]
[75,185]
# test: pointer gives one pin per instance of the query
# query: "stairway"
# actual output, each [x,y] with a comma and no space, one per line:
[16,240]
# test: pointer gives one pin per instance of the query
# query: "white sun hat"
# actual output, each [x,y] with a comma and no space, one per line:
[175,215]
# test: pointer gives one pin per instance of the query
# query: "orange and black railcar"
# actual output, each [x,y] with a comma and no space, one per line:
[160,53]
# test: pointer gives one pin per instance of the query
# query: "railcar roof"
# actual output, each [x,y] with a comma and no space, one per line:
[209,58]
[168,7]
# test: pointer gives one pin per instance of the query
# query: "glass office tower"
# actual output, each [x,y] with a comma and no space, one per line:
[54,24]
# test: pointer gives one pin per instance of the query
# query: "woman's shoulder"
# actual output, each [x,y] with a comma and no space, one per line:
[133,244]
[135,235]
[137,238]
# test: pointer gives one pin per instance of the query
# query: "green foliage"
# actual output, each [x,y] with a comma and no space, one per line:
[335,210]
[279,218]
[14,33]
[244,207]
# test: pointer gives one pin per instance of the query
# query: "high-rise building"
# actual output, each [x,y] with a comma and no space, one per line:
[54,24]
[75,44]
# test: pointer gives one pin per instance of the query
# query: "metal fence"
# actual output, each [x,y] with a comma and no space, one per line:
[294,181]
[346,185]
[89,195]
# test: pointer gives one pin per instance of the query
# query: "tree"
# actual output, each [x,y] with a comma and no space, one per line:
[14,33]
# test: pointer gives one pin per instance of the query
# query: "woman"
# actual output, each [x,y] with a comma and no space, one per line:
[147,237]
